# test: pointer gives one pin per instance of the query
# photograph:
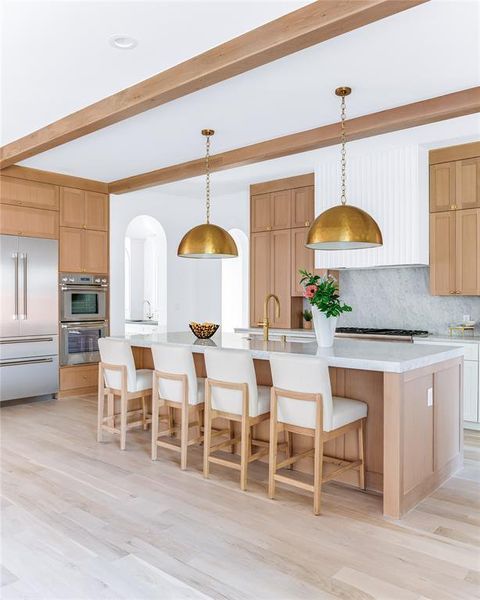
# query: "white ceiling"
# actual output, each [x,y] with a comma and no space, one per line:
[424,52]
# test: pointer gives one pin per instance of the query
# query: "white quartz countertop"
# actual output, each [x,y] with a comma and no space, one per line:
[368,355]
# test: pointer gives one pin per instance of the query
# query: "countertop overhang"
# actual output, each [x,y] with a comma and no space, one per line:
[367,355]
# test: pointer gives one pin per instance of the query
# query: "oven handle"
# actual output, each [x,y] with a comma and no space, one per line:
[87,324]
[84,288]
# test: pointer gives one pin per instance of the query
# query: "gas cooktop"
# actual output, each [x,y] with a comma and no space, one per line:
[371,332]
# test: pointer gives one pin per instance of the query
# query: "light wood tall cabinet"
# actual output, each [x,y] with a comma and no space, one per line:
[83,231]
[281,212]
[455,220]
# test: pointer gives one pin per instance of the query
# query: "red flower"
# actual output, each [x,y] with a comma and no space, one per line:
[310,291]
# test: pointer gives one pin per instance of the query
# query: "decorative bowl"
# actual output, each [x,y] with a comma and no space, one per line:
[203,331]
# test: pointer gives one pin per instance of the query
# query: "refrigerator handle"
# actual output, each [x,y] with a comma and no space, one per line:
[15,264]
[25,291]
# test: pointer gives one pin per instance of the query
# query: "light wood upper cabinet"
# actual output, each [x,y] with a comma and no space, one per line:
[259,274]
[83,250]
[71,249]
[280,277]
[442,253]
[281,209]
[455,253]
[303,207]
[96,211]
[442,187]
[301,258]
[467,183]
[23,192]
[87,210]
[467,252]
[95,251]
[72,207]
[27,221]
[260,213]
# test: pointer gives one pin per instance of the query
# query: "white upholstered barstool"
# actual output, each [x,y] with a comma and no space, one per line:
[117,377]
[176,386]
[302,403]
[231,392]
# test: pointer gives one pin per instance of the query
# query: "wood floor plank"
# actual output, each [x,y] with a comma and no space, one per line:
[83,520]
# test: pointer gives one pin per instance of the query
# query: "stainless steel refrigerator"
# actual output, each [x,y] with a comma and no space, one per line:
[28,317]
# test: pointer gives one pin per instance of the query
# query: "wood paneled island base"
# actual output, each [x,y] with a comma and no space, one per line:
[414,436]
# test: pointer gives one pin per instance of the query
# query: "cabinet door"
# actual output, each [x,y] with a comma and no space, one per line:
[280,274]
[442,187]
[467,179]
[96,211]
[31,222]
[261,213]
[71,250]
[302,207]
[259,274]
[95,251]
[470,391]
[442,253]
[468,252]
[72,207]
[302,258]
[28,193]
[281,209]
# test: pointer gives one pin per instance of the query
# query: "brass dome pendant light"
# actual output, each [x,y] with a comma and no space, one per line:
[207,240]
[344,227]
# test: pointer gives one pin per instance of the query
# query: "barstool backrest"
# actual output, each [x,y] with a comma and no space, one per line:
[117,352]
[176,360]
[307,375]
[232,366]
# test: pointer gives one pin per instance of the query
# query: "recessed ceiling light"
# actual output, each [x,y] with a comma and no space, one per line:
[123,42]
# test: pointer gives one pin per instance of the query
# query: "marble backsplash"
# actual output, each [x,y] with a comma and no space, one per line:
[399,298]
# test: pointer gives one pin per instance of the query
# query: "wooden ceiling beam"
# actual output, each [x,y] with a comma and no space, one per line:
[305,27]
[449,106]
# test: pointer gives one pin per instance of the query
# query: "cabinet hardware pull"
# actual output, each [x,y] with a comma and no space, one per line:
[307,223]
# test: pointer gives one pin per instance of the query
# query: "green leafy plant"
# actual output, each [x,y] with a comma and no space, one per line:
[322,292]
[307,315]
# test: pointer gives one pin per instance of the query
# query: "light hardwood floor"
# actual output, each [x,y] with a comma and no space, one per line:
[82,520]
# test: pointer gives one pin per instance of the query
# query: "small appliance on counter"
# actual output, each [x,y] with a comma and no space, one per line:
[83,316]
[28,317]
[466,326]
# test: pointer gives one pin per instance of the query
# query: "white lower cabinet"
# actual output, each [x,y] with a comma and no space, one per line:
[471,379]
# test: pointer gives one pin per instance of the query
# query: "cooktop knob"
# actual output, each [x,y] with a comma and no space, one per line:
[64,278]
[71,279]
[104,281]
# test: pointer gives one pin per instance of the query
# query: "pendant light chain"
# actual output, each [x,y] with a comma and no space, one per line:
[207,169]
[343,195]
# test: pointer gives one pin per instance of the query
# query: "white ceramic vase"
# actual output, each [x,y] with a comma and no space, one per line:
[324,328]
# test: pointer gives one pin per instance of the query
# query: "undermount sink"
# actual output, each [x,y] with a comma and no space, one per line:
[278,338]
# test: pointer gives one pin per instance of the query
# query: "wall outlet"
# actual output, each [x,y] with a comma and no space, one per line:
[430,396]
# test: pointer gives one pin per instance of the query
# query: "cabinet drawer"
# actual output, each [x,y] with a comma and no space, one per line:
[72,378]
[29,193]
[32,222]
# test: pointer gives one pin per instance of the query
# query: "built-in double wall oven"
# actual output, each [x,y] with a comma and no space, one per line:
[83,315]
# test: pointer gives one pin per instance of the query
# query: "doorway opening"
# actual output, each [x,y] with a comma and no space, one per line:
[235,285]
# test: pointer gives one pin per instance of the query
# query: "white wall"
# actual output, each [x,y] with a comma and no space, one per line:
[193,286]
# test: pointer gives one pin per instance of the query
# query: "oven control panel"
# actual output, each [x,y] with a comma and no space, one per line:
[83,279]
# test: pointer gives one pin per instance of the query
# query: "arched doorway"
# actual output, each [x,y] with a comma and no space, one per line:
[146,271]
[235,285]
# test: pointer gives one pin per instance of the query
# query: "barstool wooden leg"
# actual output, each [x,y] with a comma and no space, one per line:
[317,470]
[171,419]
[289,446]
[123,420]
[184,434]
[273,448]
[244,452]
[207,430]
[231,426]
[111,409]
[361,452]
[144,413]
[101,407]
[155,416]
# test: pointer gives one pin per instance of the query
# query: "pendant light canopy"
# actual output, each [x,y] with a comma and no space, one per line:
[344,227]
[207,240]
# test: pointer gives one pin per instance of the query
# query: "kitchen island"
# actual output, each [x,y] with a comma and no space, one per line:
[414,438]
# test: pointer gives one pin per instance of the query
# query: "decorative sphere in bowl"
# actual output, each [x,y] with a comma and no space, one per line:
[203,331]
